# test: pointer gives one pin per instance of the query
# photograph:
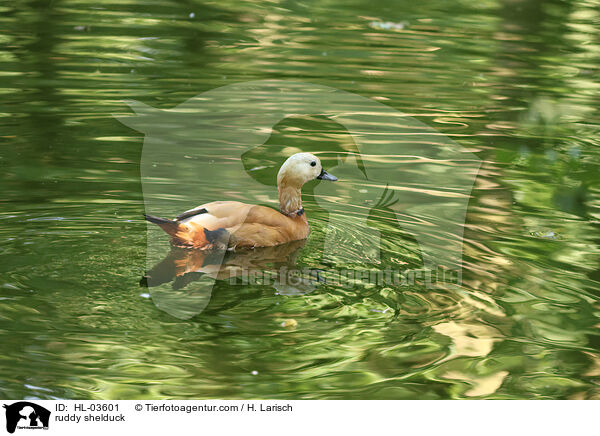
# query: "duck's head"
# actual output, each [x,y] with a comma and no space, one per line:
[301,168]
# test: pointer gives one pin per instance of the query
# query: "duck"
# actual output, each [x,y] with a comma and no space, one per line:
[235,225]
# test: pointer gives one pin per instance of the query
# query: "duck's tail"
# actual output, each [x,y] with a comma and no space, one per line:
[191,234]
[169,226]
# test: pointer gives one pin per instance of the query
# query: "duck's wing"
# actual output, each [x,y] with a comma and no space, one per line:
[190,213]
[247,225]
[217,215]
[230,224]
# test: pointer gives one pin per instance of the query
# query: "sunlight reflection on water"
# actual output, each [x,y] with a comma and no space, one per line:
[515,85]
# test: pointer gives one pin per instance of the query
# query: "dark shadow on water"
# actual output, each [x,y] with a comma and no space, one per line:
[267,265]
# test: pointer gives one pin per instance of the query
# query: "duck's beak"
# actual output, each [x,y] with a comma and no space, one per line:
[326,176]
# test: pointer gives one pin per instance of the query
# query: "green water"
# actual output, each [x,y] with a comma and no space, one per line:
[514,82]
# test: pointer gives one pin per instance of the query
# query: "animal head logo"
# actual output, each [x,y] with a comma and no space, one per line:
[421,177]
[26,415]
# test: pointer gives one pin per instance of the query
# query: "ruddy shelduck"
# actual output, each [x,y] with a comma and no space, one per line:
[232,224]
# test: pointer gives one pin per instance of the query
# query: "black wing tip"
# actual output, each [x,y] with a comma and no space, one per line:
[156,219]
[191,213]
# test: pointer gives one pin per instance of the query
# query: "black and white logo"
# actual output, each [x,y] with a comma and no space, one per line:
[26,415]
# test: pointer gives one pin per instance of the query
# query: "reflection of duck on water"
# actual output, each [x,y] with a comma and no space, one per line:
[183,267]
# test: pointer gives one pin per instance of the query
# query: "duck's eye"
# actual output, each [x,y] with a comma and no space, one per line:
[313,163]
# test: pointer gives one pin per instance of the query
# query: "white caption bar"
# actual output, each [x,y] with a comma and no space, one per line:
[283,418]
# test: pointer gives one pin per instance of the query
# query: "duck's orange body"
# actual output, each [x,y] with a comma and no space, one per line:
[232,224]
